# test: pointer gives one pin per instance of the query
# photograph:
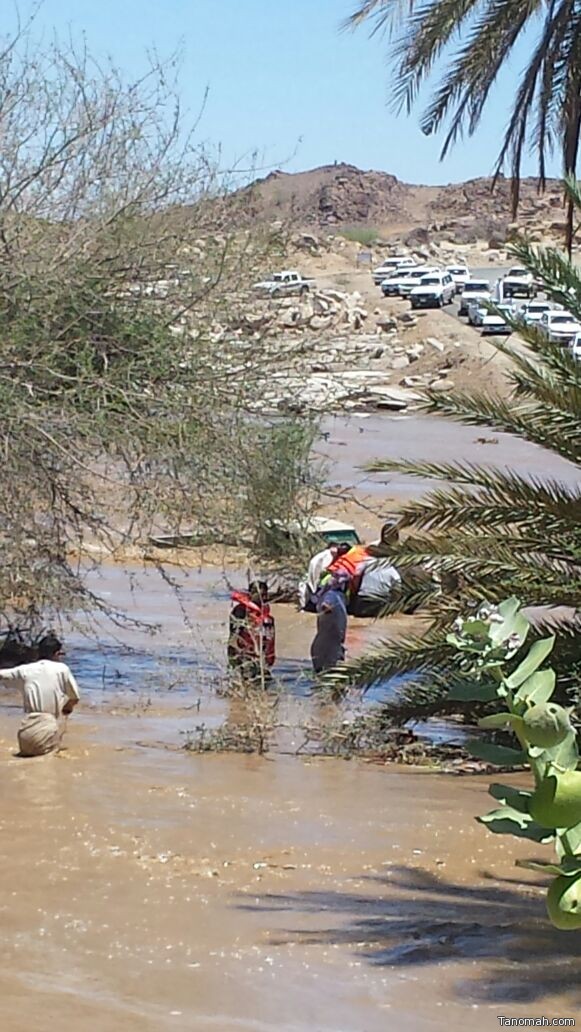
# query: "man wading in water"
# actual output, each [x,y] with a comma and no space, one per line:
[49,691]
[328,646]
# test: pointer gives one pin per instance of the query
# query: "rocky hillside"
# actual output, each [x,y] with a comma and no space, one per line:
[336,197]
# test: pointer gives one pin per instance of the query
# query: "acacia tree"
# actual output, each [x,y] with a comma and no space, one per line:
[120,397]
[475,41]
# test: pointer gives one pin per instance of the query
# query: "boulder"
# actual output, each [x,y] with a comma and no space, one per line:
[400,362]
[356,317]
[337,296]
[415,352]
[321,305]
[320,322]
[435,343]
[386,323]
[420,235]
[291,319]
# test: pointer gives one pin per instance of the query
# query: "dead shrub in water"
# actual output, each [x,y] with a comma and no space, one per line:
[250,725]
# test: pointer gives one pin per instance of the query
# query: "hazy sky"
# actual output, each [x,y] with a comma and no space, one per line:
[282,81]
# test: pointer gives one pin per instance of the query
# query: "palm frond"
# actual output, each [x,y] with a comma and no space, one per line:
[558,431]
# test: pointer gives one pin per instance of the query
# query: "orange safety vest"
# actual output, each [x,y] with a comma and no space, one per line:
[256,636]
[350,562]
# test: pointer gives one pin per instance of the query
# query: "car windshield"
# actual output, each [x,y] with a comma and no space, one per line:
[538,308]
[562,319]
[517,271]
[430,281]
[477,286]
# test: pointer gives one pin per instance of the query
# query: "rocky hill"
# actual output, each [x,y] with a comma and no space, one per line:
[341,196]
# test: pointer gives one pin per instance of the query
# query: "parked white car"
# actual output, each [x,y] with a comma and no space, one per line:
[283,284]
[493,323]
[433,291]
[391,265]
[575,347]
[403,281]
[474,290]
[560,327]
[460,275]
[518,282]
[391,280]
[413,279]
[533,312]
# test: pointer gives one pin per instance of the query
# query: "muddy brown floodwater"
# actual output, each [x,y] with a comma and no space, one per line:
[145,888]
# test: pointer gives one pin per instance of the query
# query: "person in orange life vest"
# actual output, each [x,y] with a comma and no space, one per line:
[317,567]
[251,645]
[352,563]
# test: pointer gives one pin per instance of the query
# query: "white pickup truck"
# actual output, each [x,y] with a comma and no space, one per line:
[518,282]
[283,284]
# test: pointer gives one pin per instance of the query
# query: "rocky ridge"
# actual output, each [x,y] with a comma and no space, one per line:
[342,196]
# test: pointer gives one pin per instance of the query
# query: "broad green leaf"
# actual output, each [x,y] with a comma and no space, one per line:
[518,798]
[508,821]
[453,639]
[476,628]
[538,687]
[571,841]
[509,607]
[499,754]
[516,625]
[565,755]
[537,654]
[473,692]
[494,720]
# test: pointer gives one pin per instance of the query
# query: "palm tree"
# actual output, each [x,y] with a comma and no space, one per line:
[493,533]
[547,106]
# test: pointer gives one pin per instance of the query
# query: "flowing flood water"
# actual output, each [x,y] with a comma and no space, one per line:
[145,888]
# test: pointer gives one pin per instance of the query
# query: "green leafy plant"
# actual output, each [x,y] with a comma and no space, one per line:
[486,645]
[360,234]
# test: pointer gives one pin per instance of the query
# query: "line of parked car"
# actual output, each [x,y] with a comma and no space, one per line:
[426,286]
[431,286]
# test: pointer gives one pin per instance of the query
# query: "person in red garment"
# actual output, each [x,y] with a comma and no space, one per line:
[251,644]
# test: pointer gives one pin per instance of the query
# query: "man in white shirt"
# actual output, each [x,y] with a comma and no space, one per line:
[47,685]
[317,566]
[48,688]
[379,580]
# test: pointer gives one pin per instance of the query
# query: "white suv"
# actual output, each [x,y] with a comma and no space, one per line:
[518,282]
[560,327]
[460,274]
[434,290]
[392,286]
[391,265]
[474,290]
